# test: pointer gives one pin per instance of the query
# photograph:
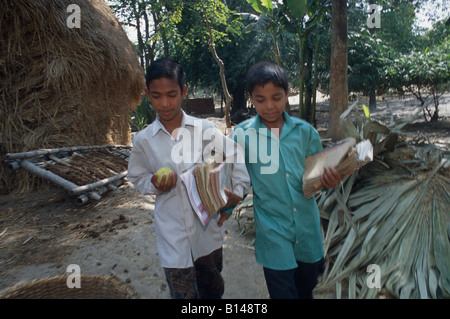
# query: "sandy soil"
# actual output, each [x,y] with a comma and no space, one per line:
[44,232]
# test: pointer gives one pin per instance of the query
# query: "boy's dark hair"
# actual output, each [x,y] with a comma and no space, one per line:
[165,68]
[264,72]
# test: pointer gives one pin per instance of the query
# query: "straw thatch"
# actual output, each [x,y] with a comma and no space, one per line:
[63,86]
[56,287]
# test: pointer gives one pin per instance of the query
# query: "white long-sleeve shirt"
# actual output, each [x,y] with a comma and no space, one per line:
[180,236]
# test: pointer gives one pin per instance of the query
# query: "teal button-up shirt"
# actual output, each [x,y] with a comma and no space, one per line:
[287,224]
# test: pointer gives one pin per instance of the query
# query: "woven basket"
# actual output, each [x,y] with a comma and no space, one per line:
[92,287]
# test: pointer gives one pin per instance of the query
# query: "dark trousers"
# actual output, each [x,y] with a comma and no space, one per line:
[297,283]
[201,281]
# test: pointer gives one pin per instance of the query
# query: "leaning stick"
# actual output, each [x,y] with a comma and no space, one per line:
[24,155]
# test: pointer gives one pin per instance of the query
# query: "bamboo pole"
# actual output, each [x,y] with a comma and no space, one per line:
[81,189]
[96,195]
[25,155]
[83,199]
[58,180]
[12,166]
[84,193]
[59,160]
[74,189]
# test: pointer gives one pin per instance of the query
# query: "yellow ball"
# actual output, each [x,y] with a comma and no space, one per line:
[160,173]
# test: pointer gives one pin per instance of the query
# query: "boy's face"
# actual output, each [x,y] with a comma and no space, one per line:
[269,101]
[166,97]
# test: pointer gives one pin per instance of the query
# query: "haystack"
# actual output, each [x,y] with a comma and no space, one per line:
[63,86]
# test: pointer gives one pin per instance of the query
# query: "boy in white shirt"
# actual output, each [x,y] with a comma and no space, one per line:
[190,252]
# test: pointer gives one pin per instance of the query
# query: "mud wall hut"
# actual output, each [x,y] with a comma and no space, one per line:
[63,86]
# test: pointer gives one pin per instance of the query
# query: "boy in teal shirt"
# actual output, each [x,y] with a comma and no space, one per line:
[288,240]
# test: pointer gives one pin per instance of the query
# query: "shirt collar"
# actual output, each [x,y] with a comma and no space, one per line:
[157,126]
[188,120]
[288,125]
[185,120]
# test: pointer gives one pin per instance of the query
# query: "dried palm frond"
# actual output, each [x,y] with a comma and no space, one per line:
[244,214]
[393,214]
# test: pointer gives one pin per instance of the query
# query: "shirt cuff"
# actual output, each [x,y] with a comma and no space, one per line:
[238,190]
[150,189]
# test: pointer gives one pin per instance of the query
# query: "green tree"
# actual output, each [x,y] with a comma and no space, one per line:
[212,48]
[366,58]
[425,74]
[205,29]
[270,19]
[153,21]
[301,19]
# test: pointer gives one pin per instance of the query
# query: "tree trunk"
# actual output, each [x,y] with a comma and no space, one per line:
[212,48]
[372,92]
[338,72]
[140,42]
[312,117]
[239,100]
[308,84]
[143,11]
[279,61]
[301,106]
[372,100]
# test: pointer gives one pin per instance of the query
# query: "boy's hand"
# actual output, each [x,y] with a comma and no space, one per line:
[162,186]
[223,217]
[233,200]
[330,178]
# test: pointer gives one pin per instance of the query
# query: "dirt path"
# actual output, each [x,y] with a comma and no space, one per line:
[44,232]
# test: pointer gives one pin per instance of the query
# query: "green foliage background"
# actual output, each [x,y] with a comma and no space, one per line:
[399,56]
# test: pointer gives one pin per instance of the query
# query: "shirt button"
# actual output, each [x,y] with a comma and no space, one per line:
[295,209]
[296,242]
[287,175]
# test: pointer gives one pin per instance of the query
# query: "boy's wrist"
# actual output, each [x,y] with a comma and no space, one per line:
[228,210]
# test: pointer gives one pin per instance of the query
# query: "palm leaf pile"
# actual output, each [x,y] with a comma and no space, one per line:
[393,213]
